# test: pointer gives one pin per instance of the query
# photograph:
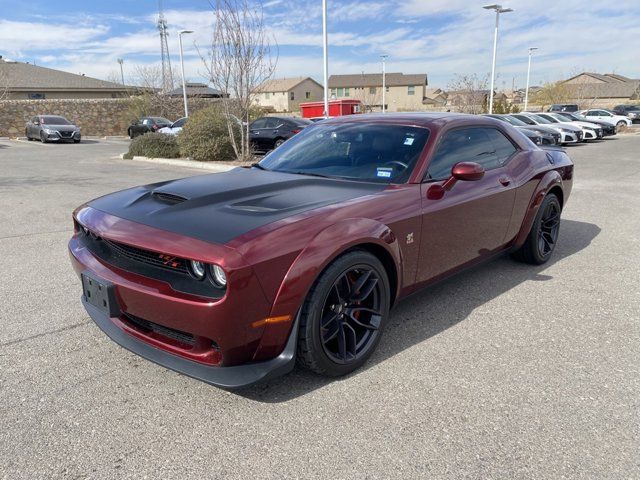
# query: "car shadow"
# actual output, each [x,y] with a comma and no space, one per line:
[431,311]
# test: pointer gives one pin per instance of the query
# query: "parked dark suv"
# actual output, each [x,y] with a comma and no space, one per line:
[52,128]
[267,133]
[632,112]
[147,124]
[563,107]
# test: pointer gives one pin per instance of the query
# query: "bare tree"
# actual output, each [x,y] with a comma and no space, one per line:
[370,97]
[468,93]
[237,62]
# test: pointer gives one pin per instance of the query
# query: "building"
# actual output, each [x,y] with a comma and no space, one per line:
[595,89]
[286,94]
[197,90]
[24,81]
[403,92]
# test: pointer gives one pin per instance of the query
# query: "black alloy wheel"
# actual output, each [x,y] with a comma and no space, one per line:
[543,236]
[278,142]
[43,137]
[343,316]
[549,228]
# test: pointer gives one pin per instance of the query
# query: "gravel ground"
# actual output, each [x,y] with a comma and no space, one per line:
[505,371]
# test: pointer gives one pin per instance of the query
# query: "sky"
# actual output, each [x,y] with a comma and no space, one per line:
[442,38]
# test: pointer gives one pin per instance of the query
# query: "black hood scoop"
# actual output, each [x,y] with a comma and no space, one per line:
[219,207]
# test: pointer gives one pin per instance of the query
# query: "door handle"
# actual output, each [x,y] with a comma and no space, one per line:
[505,181]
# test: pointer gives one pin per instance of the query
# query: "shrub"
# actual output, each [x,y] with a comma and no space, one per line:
[154,145]
[205,136]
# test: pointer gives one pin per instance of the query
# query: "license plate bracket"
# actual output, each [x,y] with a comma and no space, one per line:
[100,293]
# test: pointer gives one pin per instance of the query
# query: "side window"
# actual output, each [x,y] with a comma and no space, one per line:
[260,123]
[503,146]
[180,123]
[147,121]
[464,145]
[272,123]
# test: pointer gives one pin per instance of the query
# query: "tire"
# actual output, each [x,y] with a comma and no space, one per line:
[352,332]
[278,142]
[76,141]
[43,139]
[543,237]
[621,123]
[26,134]
[131,135]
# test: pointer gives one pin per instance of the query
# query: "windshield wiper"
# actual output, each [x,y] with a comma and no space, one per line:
[257,165]
[311,174]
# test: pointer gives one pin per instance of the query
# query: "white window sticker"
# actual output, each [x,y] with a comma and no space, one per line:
[384,172]
[408,141]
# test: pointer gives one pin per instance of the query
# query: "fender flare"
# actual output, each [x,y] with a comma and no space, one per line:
[323,249]
[550,180]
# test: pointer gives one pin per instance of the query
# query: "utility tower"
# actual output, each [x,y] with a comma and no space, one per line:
[167,75]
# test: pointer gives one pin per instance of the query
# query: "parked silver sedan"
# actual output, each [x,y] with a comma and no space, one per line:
[52,128]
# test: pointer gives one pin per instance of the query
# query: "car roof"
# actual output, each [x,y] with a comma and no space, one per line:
[416,118]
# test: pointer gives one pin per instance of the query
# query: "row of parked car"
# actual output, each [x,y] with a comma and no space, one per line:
[265,133]
[564,127]
[632,112]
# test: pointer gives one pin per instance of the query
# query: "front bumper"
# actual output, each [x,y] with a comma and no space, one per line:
[568,137]
[57,136]
[230,378]
[223,341]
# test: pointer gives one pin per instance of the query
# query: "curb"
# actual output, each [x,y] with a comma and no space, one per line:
[213,166]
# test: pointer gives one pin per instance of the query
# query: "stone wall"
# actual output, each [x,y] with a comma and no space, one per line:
[101,117]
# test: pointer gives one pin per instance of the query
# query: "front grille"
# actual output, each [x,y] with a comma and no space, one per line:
[145,326]
[66,134]
[160,260]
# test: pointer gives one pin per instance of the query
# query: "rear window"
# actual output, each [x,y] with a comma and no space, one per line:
[161,120]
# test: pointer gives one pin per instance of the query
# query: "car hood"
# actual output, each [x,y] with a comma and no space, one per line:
[540,128]
[585,124]
[219,207]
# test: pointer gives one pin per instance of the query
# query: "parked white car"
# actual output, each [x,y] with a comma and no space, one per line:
[175,127]
[600,114]
[591,131]
[568,133]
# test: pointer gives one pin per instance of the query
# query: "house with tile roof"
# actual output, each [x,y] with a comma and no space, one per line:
[25,81]
[403,92]
[286,94]
[608,88]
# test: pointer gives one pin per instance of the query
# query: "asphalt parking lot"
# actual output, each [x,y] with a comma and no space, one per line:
[505,371]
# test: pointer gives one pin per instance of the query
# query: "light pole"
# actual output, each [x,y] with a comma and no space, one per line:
[526,91]
[184,84]
[499,10]
[325,58]
[384,81]
[121,61]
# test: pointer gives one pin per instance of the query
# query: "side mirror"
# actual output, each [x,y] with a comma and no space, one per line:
[467,171]
[36,123]
[462,171]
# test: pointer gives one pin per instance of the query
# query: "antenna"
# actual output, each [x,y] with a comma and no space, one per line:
[167,74]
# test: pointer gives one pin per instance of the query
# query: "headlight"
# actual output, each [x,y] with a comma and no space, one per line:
[49,131]
[565,130]
[218,275]
[197,269]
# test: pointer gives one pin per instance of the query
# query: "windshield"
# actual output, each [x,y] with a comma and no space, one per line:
[514,121]
[540,119]
[51,120]
[369,152]
[554,118]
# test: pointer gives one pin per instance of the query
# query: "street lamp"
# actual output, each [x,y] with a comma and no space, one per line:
[121,61]
[499,10]
[184,85]
[325,58]
[526,91]
[384,81]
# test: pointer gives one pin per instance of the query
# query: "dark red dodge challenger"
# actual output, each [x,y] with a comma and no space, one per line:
[232,277]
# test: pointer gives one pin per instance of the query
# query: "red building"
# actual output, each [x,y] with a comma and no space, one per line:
[337,108]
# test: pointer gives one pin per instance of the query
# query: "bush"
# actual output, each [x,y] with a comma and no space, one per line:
[154,145]
[205,137]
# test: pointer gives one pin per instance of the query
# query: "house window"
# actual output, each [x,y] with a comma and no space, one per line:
[267,95]
[340,92]
[372,90]
[346,92]
[333,92]
[307,95]
[386,89]
[411,90]
[292,96]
